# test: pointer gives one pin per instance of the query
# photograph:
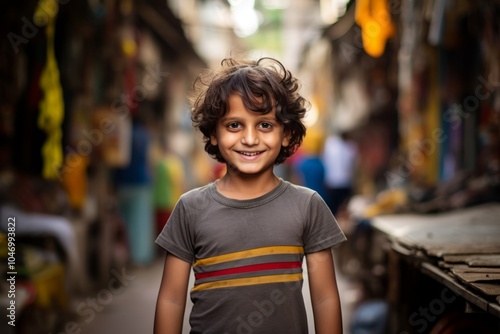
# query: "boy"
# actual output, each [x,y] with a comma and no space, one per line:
[245,235]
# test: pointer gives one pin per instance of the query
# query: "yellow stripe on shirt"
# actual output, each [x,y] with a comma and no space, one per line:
[248,281]
[272,250]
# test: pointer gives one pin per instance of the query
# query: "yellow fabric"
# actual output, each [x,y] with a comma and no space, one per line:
[250,253]
[313,142]
[176,170]
[374,18]
[52,104]
[74,179]
[49,285]
[169,181]
[433,124]
[387,202]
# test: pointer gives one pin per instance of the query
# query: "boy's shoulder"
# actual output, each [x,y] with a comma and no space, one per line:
[299,188]
[299,191]
[197,195]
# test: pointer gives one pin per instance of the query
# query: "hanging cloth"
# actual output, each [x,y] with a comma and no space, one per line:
[52,104]
[374,18]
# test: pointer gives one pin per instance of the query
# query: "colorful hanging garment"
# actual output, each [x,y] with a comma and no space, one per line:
[52,104]
[374,18]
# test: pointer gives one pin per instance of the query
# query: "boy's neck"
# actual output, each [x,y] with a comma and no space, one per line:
[239,186]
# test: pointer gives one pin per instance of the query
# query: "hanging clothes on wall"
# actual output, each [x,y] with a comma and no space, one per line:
[430,145]
[52,104]
[374,18]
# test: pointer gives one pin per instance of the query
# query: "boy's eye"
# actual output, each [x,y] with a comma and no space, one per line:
[233,126]
[266,126]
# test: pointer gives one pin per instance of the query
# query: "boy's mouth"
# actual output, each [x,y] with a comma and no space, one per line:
[249,154]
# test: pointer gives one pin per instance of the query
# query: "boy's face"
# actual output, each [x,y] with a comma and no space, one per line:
[249,141]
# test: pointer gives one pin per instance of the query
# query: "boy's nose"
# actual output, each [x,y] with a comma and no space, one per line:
[250,137]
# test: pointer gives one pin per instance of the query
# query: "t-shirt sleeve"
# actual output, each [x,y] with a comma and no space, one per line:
[176,237]
[321,230]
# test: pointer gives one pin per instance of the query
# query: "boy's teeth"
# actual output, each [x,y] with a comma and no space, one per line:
[250,153]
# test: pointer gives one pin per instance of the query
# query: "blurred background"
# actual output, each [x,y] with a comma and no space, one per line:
[403,144]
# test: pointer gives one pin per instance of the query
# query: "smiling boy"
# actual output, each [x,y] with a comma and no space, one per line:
[246,234]
[249,142]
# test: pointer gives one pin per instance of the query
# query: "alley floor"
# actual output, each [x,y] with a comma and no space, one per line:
[131,310]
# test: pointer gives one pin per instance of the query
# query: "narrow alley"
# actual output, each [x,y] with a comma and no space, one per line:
[389,110]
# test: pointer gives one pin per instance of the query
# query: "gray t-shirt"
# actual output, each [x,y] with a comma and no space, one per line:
[247,256]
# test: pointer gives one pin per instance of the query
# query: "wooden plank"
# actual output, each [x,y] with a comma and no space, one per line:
[485,262]
[475,260]
[457,258]
[397,225]
[461,238]
[478,277]
[450,282]
[495,308]
[448,265]
[467,269]
[465,291]
[487,288]
[467,231]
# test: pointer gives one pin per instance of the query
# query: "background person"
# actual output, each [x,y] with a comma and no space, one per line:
[339,157]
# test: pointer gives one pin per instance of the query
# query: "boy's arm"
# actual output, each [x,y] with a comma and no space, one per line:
[324,293]
[171,301]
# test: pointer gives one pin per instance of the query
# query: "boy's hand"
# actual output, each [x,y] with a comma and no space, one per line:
[324,293]
[171,301]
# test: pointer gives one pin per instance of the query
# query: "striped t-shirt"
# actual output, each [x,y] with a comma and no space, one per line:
[247,256]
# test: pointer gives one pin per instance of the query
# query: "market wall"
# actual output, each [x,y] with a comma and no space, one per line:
[93,111]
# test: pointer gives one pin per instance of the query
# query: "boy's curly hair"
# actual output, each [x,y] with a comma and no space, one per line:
[263,85]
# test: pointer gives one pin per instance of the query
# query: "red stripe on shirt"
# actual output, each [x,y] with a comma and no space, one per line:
[250,268]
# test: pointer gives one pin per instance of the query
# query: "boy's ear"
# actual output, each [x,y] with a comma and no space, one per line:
[213,139]
[286,139]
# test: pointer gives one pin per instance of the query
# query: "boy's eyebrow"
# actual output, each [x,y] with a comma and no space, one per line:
[225,119]
[274,119]
[261,117]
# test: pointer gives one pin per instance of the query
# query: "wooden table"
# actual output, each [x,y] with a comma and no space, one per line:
[459,250]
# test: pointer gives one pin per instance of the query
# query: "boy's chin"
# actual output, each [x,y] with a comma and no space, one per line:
[247,172]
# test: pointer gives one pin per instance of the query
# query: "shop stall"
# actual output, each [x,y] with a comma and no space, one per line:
[459,254]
